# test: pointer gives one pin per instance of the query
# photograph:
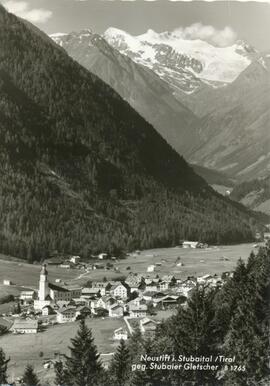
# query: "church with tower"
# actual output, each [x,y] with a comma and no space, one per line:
[49,294]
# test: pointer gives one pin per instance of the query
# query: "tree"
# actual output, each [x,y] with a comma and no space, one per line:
[61,376]
[120,365]
[248,334]
[3,330]
[29,377]
[193,332]
[3,367]
[145,376]
[135,344]
[83,365]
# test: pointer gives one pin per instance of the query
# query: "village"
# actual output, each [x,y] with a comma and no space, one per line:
[112,295]
[136,299]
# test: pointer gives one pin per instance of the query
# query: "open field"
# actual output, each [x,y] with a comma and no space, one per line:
[195,262]
[24,349]
[23,274]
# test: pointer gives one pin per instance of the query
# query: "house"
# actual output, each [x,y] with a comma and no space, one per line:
[120,290]
[108,301]
[168,301]
[57,261]
[75,292]
[116,311]
[62,304]
[47,310]
[135,302]
[152,278]
[134,277]
[204,279]
[90,292]
[66,264]
[148,295]
[151,268]
[28,296]
[157,296]
[7,282]
[151,285]
[66,314]
[75,259]
[148,327]
[266,236]
[170,279]
[191,244]
[135,282]
[63,293]
[138,311]
[120,334]
[101,303]
[83,312]
[21,326]
[163,286]
[102,256]
[103,287]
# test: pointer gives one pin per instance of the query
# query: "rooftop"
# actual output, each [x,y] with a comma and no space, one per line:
[25,324]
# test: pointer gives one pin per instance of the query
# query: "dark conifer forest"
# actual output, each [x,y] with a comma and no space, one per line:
[82,172]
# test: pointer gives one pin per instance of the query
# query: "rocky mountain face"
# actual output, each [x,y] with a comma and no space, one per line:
[138,85]
[82,172]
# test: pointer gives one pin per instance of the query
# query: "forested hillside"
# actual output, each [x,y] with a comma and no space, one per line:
[82,172]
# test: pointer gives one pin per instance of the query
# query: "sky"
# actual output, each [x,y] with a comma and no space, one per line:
[224,20]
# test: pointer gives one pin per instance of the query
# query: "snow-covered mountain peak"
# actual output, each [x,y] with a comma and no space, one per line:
[171,55]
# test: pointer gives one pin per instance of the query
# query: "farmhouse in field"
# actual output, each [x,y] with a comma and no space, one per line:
[190,244]
[148,327]
[120,333]
[151,268]
[75,259]
[21,326]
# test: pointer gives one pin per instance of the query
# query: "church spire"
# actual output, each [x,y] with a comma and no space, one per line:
[44,270]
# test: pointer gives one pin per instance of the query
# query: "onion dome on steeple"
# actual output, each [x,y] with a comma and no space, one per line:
[44,270]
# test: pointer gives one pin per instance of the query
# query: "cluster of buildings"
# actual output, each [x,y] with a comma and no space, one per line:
[137,297]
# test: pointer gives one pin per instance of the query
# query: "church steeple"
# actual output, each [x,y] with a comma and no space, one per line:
[44,270]
[43,283]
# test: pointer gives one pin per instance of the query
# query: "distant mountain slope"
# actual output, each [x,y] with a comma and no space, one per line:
[255,194]
[138,85]
[82,172]
[234,133]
